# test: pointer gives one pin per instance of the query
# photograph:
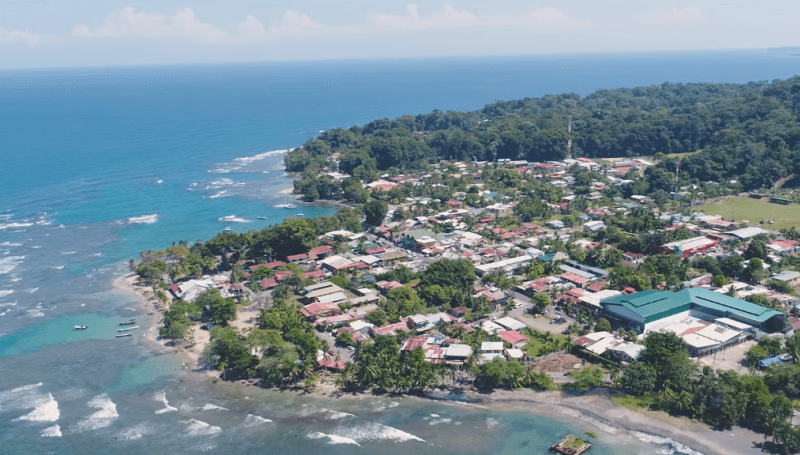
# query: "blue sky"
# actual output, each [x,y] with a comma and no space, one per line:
[55,33]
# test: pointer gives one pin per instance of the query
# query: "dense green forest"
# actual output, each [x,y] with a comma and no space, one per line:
[748,132]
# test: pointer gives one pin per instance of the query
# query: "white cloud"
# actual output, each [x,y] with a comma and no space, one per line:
[446,17]
[129,23]
[19,36]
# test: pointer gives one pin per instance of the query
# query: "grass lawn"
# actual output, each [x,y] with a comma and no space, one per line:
[632,402]
[755,210]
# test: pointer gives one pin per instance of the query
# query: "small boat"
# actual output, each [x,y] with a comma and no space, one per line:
[128,322]
[121,335]
[262,218]
[227,229]
[128,329]
[80,327]
[290,206]
[300,214]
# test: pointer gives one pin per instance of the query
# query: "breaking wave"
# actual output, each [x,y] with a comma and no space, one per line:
[253,421]
[213,407]
[51,432]
[332,439]
[104,417]
[667,445]
[9,263]
[46,411]
[161,397]
[199,428]
[144,219]
[375,431]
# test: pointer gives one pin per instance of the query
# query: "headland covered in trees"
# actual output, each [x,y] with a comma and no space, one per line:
[454,249]
[745,132]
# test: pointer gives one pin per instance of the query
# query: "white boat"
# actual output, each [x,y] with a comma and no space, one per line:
[262,218]
[286,206]
[80,327]
[227,229]
[300,214]
[291,206]
[120,335]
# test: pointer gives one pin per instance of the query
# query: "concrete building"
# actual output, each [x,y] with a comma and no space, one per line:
[638,310]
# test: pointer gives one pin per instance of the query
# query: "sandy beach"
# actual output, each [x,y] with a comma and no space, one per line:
[595,409]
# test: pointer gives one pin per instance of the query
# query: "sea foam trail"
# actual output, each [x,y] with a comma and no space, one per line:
[199,428]
[332,439]
[375,431]
[46,411]
[14,225]
[4,293]
[104,417]
[25,397]
[144,219]
[161,397]
[136,432]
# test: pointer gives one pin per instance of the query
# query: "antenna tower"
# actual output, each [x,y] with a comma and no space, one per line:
[569,137]
[677,173]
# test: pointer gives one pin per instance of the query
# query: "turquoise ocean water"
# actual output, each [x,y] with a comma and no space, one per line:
[98,164]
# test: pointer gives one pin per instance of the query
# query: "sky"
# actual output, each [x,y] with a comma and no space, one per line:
[65,33]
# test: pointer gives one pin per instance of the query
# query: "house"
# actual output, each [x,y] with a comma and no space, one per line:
[391,329]
[514,338]
[574,279]
[514,354]
[361,327]
[315,291]
[269,283]
[555,224]
[491,350]
[457,353]
[688,247]
[414,343]
[329,321]
[297,257]
[490,327]
[316,275]
[790,277]
[510,323]
[317,310]
[336,297]
[320,252]
[457,312]
[626,352]
[335,262]
[783,247]
[386,286]
[636,258]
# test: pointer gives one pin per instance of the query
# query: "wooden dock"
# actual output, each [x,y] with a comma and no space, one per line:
[571,445]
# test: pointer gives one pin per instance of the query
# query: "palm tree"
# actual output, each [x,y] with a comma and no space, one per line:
[683,401]
[358,349]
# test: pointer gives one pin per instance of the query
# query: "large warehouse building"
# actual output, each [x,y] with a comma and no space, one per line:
[639,310]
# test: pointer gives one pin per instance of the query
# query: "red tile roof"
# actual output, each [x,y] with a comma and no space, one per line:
[511,336]
[573,278]
[296,257]
[597,286]
[313,274]
[269,283]
[320,250]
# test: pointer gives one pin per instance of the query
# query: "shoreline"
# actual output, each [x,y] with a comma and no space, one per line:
[595,409]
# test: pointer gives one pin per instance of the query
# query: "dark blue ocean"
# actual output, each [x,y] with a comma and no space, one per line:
[97,164]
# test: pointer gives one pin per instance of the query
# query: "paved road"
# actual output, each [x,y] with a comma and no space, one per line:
[345,355]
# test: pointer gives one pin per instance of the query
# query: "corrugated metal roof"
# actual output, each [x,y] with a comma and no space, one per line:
[651,303]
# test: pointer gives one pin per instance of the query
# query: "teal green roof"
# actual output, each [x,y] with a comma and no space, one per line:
[653,305]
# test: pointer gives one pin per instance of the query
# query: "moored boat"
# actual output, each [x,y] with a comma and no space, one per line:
[128,329]
[80,327]
[128,322]
[120,335]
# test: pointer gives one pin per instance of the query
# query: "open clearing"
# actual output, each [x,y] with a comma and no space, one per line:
[755,210]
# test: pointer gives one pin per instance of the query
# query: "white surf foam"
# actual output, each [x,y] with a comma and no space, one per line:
[672,445]
[161,397]
[253,421]
[10,244]
[199,428]
[104,417]
[46,411]
[35,313]
[32,290]
[491,422]
[383,406]
[336,415]
[4,293]
[15,225]
[261,156]
[438,421]
[375,431]
[136,432]
[58,267]
[216,195]
[51,432]
[213,407]
[68,252]
[332,439]
[9,263]
[144,219]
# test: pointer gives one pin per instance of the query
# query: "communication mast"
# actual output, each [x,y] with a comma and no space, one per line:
[569,137]
[677,173]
